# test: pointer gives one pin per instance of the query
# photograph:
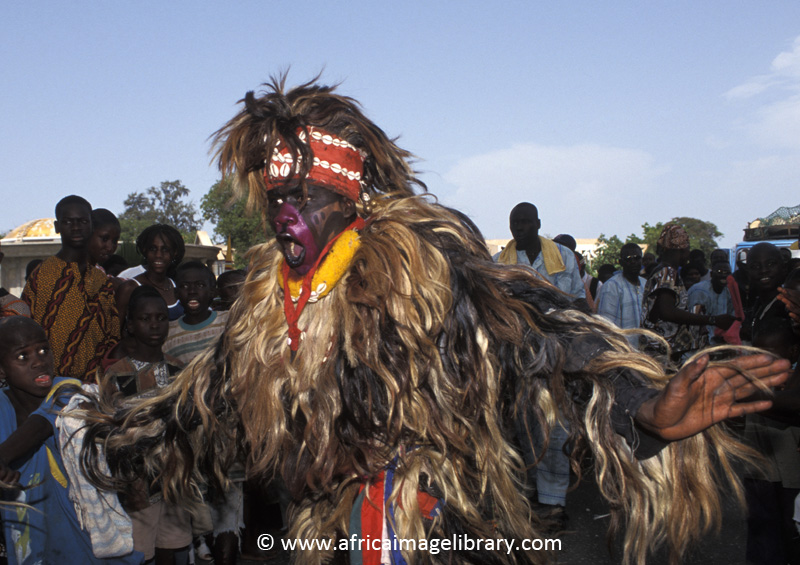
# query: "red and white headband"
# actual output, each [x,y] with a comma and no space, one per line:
[337,165]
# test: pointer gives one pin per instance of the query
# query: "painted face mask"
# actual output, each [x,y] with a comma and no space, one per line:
[304,229]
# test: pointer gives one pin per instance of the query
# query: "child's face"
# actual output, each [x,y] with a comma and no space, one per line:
[74,225]
[26,362]
[195,290]
[103,243]
[148,322]
[159,255]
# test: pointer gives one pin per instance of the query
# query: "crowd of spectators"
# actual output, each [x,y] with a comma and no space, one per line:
[688,308]
[130,332]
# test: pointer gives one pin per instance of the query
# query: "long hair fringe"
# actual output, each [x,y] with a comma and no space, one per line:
[419,359]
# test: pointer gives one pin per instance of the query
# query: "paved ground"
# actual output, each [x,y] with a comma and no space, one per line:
[585,541]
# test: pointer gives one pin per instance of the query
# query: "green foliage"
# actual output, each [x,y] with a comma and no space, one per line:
[127,250]
[702,235]
[651,235]
[159,205]
[232,219]
[608,251]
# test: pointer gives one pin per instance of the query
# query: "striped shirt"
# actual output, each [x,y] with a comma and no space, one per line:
[621,302]
[187,341]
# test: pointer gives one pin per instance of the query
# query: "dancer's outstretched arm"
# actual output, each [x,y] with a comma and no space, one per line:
[699,396]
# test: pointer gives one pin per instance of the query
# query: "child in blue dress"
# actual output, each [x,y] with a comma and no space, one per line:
[45,527]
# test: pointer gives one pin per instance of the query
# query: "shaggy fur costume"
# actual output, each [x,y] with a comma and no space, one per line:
[415,356]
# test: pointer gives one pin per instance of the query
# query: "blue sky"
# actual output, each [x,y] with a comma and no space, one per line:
[605,116]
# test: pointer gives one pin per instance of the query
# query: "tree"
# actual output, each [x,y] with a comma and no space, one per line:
[702,235]
[651,235]
[159,205]
[232,219]
[608,250]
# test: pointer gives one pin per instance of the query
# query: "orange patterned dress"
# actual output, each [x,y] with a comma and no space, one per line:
[78,312]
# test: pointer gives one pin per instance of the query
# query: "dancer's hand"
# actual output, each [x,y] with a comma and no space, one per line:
[698,397]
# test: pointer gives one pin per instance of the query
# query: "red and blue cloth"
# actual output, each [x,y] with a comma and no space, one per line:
[372,521]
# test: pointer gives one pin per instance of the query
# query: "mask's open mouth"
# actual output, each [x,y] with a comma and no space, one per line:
[293,250]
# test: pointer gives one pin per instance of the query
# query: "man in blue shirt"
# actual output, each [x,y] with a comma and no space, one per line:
[620,298]
[556,264]
[712,297]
